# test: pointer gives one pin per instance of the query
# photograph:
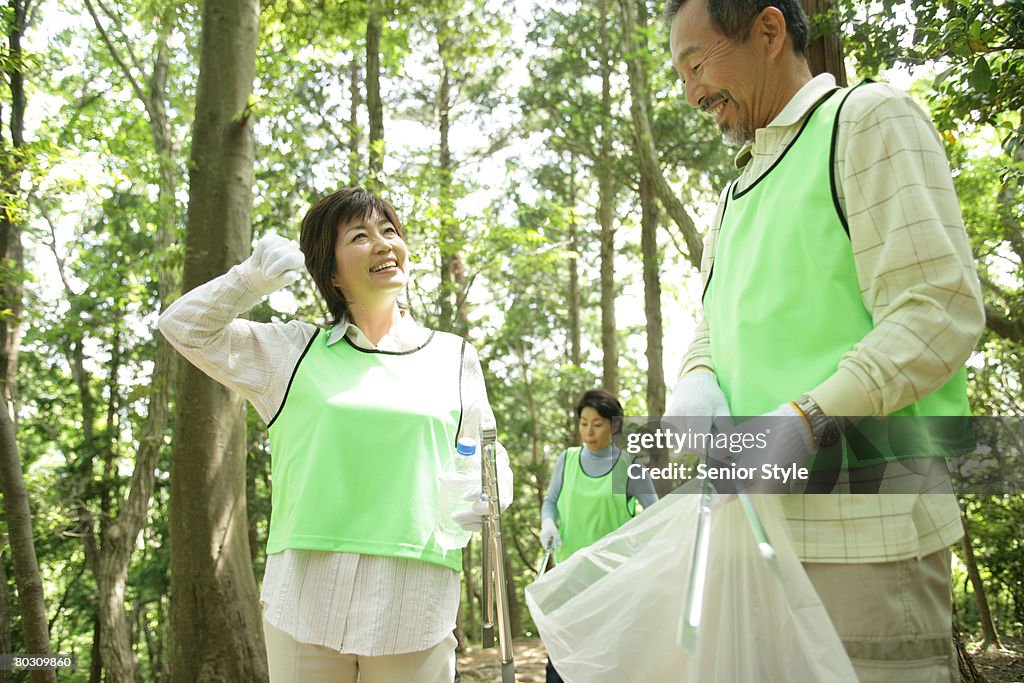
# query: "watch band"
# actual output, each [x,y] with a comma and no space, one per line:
[825,430]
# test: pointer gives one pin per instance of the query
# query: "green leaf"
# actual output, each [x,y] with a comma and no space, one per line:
[981,76]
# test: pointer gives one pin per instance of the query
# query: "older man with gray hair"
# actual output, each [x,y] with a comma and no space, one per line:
[839,283]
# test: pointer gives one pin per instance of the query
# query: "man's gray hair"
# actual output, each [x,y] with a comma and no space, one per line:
[734,18]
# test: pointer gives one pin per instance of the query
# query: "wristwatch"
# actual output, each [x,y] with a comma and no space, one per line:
[825,430]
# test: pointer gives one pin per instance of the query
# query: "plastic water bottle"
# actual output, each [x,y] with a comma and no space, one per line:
[460,478]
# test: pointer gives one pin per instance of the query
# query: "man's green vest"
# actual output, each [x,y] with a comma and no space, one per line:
[589,507]
[783,302]
[357,448]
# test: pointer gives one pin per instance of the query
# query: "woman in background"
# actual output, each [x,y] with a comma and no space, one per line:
[590,495]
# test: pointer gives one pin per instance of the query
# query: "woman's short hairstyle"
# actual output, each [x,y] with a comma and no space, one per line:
[319,235]
[606,405]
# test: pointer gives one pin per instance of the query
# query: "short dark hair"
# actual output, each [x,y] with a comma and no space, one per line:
[734,18]
[606,405]
[319,234]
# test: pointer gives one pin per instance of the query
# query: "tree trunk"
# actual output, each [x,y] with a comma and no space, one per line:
[355,99]
[34,626]
[635,46]
[467,622]
[825,52]
[96,670]
[119,539]
[606,219]
[639,106]
[575,352]
[652,300]
[446,246]
[217,632]
[988,626]
[968,672]
[374,27]
[5,611]
[515,619]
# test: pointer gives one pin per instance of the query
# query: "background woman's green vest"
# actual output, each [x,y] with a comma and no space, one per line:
[590,508]
[783,301]
[357,448]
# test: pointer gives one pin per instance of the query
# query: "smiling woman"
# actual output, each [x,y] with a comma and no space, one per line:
[590,494]
[362,417]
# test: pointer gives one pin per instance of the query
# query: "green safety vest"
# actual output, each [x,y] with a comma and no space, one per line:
[589,507]
[358,446]
[783,302]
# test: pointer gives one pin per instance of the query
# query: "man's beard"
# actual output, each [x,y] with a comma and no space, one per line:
[738,134]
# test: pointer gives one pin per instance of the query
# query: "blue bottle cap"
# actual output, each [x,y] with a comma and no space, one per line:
[466,446]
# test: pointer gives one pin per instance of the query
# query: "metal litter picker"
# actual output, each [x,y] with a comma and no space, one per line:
[693,601]
[492,555]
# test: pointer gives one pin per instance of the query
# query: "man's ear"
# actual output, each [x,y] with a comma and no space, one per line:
[770,30]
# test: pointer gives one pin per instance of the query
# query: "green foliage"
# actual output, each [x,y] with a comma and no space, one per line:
[527,123]
[978,46]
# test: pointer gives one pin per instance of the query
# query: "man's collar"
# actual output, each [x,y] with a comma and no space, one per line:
[794,111]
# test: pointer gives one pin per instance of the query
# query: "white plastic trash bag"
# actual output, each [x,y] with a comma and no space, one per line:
[610,613]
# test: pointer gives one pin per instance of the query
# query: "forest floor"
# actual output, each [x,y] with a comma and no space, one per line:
[477,666]
[480,666]
[1000,666]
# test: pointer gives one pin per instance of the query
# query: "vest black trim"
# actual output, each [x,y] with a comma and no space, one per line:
[711,272]
[462,404]
[291,379]
[832,158]
[732,192]
[792,143]
[391,353]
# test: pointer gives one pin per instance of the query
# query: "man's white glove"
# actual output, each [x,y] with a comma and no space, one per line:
[473,520]
[698,398]
[770,444]
[276,262]
[549,537]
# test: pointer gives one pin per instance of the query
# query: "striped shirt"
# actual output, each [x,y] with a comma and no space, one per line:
[917,278]
[354,604]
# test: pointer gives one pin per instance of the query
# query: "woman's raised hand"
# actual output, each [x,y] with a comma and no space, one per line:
[276,262]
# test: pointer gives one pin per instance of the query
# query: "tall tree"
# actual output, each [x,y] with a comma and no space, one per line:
[17,510]
[374,104]
[355,98]
[825,49]
[606,209]
[215,621]
[575,353]
[635,44]
[988,626]
[120,537]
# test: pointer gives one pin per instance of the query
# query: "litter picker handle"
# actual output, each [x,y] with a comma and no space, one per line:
[495,589]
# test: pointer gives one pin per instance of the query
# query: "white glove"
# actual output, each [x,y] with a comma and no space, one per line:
[698,398]
[472,520]
[549,537]
[276,262]
[778,440]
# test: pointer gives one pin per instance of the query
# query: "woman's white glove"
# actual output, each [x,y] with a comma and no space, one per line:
[549,537]
[472,520]
[698,398]
[276,262]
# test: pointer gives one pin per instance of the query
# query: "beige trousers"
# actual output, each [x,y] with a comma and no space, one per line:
[293,662]
[894,618]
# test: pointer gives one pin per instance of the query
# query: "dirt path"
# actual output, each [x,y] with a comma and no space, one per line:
[477,666]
